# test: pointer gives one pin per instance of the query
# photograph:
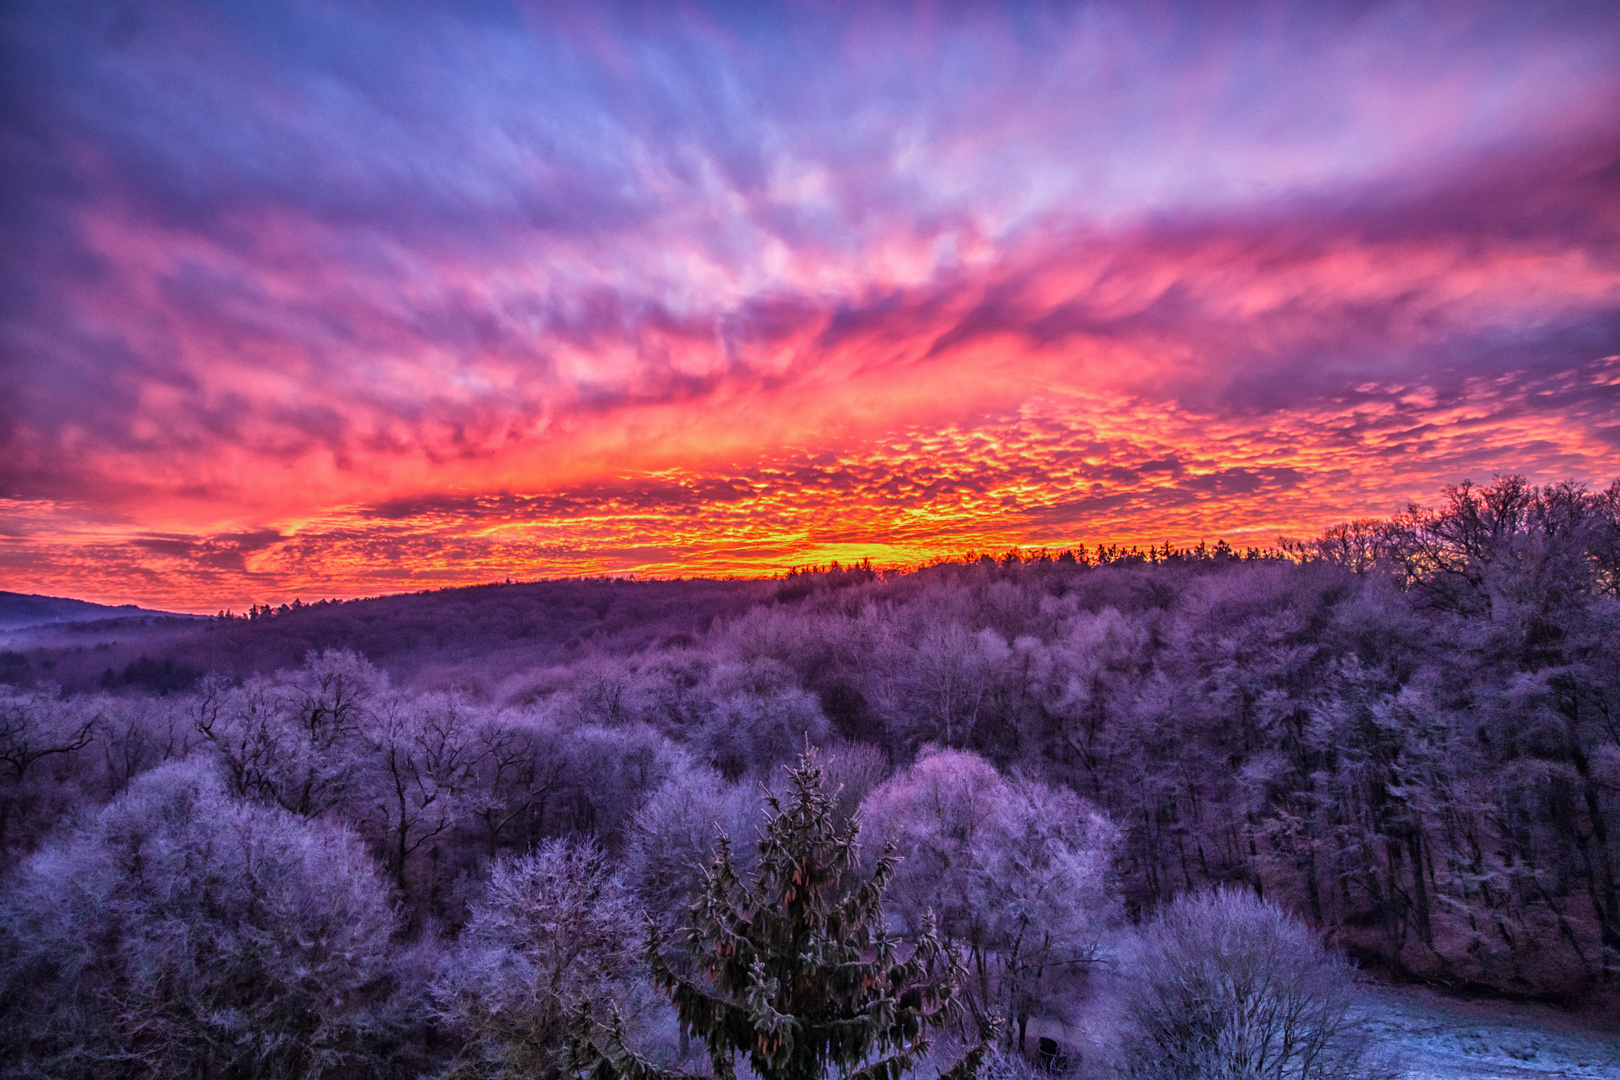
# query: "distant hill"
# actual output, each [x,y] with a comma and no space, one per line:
[479,635]
[21,610]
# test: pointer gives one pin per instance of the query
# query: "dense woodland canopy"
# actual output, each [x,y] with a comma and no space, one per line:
[1405,732]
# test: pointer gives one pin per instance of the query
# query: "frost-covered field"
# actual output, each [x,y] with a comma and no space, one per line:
[1427,1036]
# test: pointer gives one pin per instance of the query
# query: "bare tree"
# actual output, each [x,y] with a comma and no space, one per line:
[295,740]
[34,726]
[516,771]
[421,757]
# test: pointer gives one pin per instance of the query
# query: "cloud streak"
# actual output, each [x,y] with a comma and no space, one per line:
[340,301]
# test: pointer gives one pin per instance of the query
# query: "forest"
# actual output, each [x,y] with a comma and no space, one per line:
[425,835]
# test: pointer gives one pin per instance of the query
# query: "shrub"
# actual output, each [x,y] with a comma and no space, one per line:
[1225,985]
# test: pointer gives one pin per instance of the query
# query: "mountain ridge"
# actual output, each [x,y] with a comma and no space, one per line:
[22,611]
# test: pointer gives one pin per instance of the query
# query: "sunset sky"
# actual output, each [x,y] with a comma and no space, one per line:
[337,299]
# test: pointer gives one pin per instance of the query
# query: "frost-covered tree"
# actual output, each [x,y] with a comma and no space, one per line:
[420,757]
[181,931]
[1225,985]
[295,741]
[1017,873]
[555,930]
[753,717]
[607,773]
[517,769]
[677,833]
[850,770]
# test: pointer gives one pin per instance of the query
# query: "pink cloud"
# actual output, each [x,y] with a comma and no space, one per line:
[423,300]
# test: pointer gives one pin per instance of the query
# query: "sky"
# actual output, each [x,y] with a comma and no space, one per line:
[339,299]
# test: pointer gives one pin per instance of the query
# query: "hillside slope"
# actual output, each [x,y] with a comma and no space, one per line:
[472,637]
[22,610]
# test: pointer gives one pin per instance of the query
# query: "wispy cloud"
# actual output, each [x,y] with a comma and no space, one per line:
[337,300]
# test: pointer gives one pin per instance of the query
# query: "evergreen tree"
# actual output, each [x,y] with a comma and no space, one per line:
[796,970]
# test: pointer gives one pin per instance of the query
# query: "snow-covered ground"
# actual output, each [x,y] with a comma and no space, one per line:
[1427,1036]
[1416,1034]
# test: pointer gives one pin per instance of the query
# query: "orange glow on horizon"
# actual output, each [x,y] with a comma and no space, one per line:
[670,297]
[1059,472]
